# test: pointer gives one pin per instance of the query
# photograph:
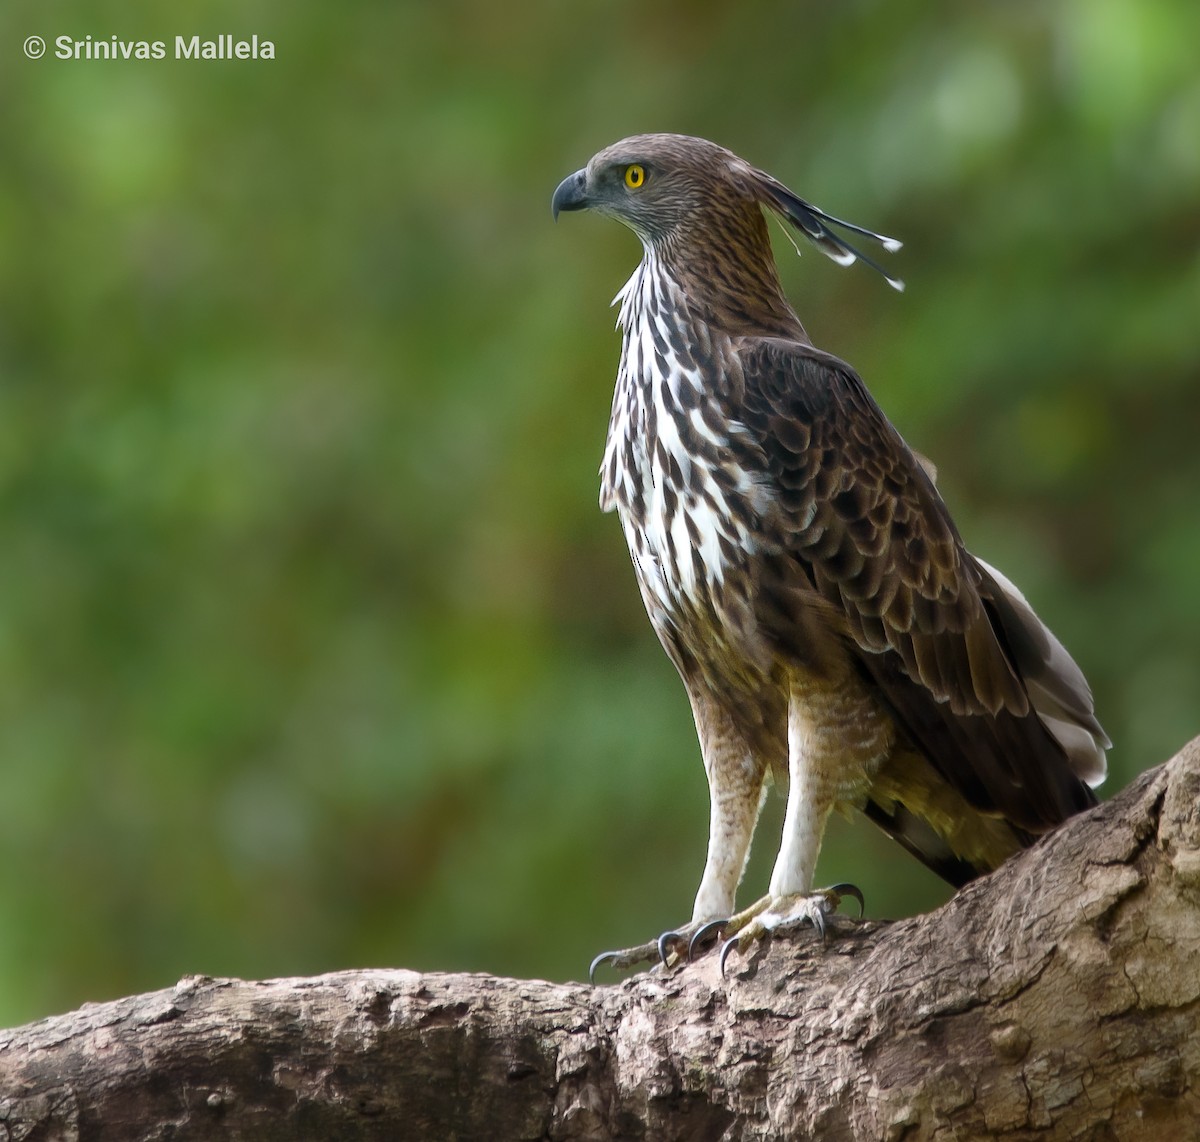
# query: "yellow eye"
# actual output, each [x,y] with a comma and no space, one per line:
[634,176]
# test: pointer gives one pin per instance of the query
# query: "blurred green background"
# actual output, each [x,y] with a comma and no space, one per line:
[315,650]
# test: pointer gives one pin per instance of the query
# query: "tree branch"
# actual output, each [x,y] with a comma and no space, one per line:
[1059,997]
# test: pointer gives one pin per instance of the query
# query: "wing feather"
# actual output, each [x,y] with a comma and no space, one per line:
[927,625]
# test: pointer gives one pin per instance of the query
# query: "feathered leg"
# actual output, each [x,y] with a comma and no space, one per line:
[837,740]
[736,788]
[736,780]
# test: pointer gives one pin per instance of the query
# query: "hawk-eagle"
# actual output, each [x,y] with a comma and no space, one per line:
[800,568]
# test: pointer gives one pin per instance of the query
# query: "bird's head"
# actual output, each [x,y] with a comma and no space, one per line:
[673,189]
[655,184]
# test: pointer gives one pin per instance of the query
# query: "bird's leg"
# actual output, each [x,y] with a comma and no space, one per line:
[790,901]
[825,765]
[736,792]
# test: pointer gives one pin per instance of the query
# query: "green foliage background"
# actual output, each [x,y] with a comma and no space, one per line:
[315,651]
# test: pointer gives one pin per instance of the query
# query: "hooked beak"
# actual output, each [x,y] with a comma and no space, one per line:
[571,194]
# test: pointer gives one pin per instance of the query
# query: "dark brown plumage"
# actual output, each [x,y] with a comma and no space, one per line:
[798,564]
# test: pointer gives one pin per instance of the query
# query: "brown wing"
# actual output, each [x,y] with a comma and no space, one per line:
[860,521]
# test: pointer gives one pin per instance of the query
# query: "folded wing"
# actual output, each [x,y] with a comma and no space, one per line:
[975,681]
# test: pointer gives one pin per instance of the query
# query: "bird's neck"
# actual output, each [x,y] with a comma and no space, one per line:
[728,276]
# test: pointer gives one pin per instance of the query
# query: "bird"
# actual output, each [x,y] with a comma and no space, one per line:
[833,634]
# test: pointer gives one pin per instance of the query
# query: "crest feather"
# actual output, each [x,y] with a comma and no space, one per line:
[815,225]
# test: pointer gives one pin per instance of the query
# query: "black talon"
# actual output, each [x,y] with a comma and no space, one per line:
[853,891]
[703,934]
[664,945]
[818,922]
[603,957]
[726,948]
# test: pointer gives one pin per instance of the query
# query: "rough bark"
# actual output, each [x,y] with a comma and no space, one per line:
[1057,998]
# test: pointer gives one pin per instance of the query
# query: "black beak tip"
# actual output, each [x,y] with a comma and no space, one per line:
[571,194]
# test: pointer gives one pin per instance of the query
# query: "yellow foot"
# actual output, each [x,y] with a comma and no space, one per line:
[782,914]
[671,948]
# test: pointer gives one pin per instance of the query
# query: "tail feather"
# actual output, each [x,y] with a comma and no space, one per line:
[1058,691]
